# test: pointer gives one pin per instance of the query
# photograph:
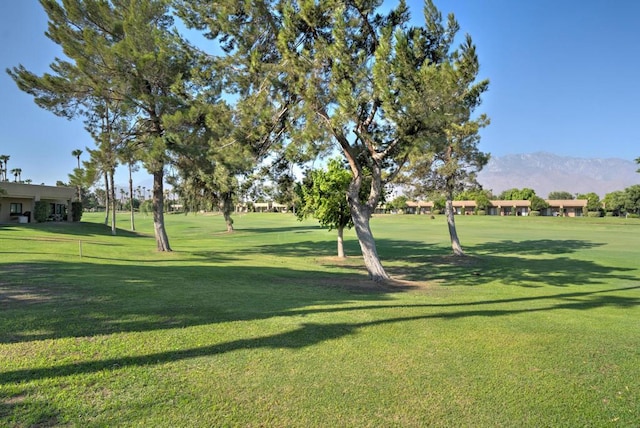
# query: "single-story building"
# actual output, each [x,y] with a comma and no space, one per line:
[513,207]
[419,207]
[17,202]
[464,207]
[566,207]
[262,207]
[557,207]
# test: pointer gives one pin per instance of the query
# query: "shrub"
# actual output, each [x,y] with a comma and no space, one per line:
[534,213]
[76,211]
[41,211]
[609,214]
[594,214]
[437,212]
[481,212]
[633,215]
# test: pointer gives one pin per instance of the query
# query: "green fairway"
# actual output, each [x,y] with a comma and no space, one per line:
[538,327]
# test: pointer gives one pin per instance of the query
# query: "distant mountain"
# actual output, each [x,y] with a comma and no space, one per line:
[546,172]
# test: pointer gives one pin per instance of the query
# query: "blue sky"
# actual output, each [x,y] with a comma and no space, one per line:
[564,79]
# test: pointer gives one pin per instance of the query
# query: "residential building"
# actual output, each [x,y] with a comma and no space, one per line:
[17,202]
[557,207]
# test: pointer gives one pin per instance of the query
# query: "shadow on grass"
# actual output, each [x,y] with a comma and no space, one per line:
[85,229]
[515,271]
[83,299]
[301,228]
[520,263]
[309,334]
[390,249]
[534,246]
[507,262]
[53,300]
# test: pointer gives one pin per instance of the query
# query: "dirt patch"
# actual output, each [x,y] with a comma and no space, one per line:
[418,275]
[16,399]
[360,282]
[23,295]
[363,284]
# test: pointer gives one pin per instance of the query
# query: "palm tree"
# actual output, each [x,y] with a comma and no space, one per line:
[16,173]
[3,169]
[76,153]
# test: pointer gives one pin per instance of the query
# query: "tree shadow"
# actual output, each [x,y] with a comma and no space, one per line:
[507,262]
[534,246]
[309,334]
[301,228]
[54,300]
[521,264]
[77,229]
[518,271]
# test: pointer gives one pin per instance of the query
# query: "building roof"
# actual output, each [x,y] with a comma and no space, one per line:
[415,204]
[567,202]
[37,191]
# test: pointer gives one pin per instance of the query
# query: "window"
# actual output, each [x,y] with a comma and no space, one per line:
[15,208]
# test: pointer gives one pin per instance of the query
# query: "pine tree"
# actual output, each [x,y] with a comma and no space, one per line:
[121,56]
[343,73]
[450,164]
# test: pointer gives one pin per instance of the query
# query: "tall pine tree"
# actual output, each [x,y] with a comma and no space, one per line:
[121,54]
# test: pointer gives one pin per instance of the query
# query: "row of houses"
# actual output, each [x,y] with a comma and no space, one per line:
[556,207]
[18,201]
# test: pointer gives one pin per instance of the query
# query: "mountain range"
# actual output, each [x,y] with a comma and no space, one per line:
[546,172]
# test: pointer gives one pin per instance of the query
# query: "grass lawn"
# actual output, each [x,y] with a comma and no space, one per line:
[539,327]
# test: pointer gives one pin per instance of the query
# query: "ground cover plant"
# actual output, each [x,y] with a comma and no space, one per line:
[265,327]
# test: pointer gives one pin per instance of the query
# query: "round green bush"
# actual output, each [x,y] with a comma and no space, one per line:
[534,213]
[41,211]
[481,212]
[633,215]
[608,214]
[594,214]
[436,212]
[76,211]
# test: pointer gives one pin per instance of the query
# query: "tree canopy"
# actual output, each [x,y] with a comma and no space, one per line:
[515,194]
[593,201]
[560,194]
[123,59]
[290,80]
[323,196]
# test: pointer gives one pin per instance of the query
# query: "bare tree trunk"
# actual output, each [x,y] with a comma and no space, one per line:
[133,226]
[361,215]
[107,198]
[451,223]
[162,240]
[341,242]
[113,204]
[368,247]
[227,208]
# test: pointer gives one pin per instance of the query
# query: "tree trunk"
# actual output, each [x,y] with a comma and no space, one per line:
[227,209]
[341,242]
[451,223]
[162,241]
[133,226]
[113,204]
[107,199]
[360,215]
